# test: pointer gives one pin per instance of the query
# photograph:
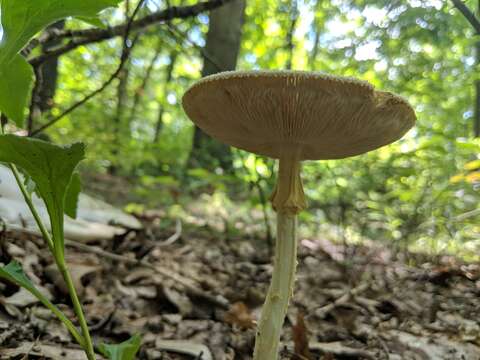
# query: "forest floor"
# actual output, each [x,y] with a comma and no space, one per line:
[198,297]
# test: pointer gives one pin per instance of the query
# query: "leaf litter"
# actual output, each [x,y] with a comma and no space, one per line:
[200,296]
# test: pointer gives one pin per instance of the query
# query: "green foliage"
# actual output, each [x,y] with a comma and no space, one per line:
[123,351]
[51,168]
[71,196]
[403,193]
[414,191]
[15,87]
[20,22]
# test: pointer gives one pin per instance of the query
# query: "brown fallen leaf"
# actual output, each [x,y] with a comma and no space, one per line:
[240,315]
[34,350]
[300,339]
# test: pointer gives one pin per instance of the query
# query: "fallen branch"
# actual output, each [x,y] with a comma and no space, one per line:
[191,289]
[342,300]
[337,348]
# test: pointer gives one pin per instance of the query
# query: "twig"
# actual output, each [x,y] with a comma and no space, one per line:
[467,215]
[218,300]
[93,35]
[177,235]
[324,310]
[101,324]
[176,33]
[468,14]
[336,348]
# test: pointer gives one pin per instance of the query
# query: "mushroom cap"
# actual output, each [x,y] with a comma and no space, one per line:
[319,116]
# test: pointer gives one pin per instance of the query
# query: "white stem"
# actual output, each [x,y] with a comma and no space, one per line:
[281,289]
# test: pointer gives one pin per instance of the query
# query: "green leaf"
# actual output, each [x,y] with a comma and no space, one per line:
[71,198]
[94,20]
[29,184]
[51,168]
[16,80]
[21,20]
[13,272]
[123,351]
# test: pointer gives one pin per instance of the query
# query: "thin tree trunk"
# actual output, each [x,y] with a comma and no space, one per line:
[143,86]
[222,46]
[291,32]
[476,117]
[161,110]
[316,40]
[118,123]
[474,20]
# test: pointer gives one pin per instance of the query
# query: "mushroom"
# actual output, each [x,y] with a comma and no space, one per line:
[293,116]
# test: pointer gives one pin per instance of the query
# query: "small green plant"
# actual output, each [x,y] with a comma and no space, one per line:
[49,167]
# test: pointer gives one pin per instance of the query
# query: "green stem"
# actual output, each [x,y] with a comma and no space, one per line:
[281,289]
[60,315]
[46,235]
[31,206]
[77,306]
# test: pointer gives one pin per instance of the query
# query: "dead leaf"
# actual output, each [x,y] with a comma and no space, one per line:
[27,349]
[300,339]
[240,315]
[198,351]
[23,298]
[79,267]
[178,299]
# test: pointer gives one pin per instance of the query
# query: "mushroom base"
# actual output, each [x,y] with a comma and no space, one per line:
[281,289]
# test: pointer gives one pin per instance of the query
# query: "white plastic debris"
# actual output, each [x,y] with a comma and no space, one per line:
[96,220]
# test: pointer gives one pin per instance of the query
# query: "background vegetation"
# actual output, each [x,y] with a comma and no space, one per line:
[422,191]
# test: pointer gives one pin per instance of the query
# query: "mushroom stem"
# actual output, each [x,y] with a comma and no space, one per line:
[288,200]
[288,195]
[280,291]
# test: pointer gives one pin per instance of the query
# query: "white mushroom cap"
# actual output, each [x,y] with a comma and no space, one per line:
[319,115]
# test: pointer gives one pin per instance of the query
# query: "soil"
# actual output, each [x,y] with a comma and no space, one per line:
[201,293]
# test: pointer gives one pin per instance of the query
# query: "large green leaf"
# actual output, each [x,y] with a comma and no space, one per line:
[16,79]
[51,168]
[123,351]
[21,20]
[13,272]
[71,198]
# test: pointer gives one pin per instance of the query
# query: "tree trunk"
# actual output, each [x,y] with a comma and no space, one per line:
[290,33]
[118,120]
[46,82]
[161,109]
[140,91]
[222,48]
[316,40]
[476,118]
